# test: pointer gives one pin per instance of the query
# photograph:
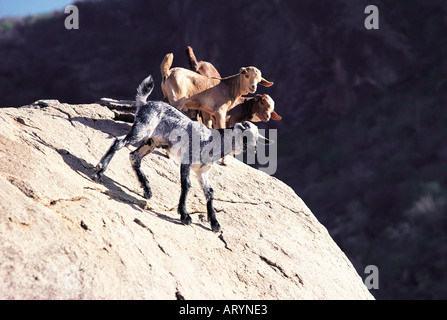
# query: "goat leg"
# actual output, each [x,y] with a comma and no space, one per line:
[215,226]
[135,158]
[119,143]
[105,160]
[185,170]
[202,174]
[220,124]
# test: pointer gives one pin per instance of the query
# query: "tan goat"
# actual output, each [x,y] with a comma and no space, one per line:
[188,90]
[258,108]
[203,67]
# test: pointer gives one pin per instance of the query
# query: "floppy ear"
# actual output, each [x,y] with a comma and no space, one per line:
[242,126]
[243,70]
[245,125]
[275,116]
[265,83]
[264,140]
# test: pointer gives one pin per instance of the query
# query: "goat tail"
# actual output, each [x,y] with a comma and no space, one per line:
[166,65]
[144,90]
[192,60]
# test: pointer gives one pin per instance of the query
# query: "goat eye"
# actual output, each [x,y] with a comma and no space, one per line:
[246,76]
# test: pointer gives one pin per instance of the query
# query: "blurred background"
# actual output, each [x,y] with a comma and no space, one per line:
[363,140]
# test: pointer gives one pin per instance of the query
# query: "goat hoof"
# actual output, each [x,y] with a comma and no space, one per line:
[147,194]
[186,221]
[96,177]
[216,227]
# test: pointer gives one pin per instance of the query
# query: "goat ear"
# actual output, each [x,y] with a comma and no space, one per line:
[242,126]
[243,70]
[275,116]
[246,125]
[264,140]
[265,83]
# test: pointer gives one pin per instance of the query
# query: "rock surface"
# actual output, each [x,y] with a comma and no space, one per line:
[63,236]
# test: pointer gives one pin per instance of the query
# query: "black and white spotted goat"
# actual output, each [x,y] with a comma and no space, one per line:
[158,124]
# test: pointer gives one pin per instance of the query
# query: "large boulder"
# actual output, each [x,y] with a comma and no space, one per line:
[63,236]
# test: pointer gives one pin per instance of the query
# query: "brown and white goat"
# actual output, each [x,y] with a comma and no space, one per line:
[258,108]
[188,90]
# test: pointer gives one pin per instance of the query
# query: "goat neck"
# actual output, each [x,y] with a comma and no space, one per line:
[241,112]
[234,85]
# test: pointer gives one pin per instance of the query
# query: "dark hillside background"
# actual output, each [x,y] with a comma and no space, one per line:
[363,138]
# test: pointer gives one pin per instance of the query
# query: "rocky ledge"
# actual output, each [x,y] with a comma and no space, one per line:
[63,236]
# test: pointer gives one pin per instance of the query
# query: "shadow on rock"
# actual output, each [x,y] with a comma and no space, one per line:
[109,126]
[116,191]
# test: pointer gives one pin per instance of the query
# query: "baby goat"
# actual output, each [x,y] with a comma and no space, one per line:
[188,90]
[201,67]
[158,124]
[258,108]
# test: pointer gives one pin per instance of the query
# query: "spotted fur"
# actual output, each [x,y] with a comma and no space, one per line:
[158,124]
